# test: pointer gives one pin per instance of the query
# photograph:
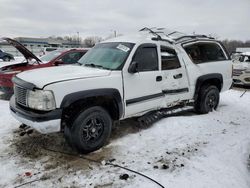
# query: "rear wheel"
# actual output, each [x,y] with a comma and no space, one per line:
[90,130]
[208,99]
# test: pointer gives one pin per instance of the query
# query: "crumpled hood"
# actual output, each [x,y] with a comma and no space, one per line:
[45,76]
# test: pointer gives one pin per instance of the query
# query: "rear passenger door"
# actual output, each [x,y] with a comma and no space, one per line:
[175,82]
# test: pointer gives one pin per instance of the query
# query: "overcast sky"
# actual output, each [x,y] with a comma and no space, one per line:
[43,18]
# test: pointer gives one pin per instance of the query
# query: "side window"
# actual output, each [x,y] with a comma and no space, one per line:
[205,52]
[72,57]
[169,59]
[147,58]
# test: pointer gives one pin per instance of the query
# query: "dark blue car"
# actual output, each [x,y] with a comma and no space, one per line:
[5,56]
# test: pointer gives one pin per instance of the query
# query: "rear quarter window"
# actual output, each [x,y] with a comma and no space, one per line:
[205,52]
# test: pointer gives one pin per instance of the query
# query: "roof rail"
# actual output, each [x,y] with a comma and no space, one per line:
[158,37]
[192,37]
[158,31]
[150,31]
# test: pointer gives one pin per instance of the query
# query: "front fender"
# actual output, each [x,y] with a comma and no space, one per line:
[80,95]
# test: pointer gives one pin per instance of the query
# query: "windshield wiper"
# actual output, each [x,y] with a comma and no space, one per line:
[95,66]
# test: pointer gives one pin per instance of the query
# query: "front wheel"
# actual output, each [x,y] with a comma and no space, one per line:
[208,99]
[90,130]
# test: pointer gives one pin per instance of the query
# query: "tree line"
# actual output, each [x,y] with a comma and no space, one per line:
[84,42]
[90,41]
[231,45]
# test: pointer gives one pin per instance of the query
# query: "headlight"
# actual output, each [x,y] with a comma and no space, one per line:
[41,100]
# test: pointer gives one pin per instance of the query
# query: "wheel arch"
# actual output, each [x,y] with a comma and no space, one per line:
[108,98]
[213,79]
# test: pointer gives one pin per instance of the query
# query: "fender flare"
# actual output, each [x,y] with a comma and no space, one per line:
[204,78]
[80,95]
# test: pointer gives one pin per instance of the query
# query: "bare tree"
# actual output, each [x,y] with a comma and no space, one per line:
[231,45]
[91,41]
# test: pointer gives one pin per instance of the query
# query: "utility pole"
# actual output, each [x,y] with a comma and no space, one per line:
[115,33]
[78,38]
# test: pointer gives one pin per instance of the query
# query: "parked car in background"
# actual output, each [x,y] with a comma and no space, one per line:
[6,56]
[241,69]
[46,50]
[54,58]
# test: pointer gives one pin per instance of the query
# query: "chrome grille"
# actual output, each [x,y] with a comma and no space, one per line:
[237,72]
[20,95]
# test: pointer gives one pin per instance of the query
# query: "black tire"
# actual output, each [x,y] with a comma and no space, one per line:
[208,99]
[6,58]
[90,130]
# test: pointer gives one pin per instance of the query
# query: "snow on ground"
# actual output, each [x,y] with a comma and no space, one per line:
[189,150]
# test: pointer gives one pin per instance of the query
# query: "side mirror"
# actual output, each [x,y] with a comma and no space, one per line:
[58,62]
[133,67]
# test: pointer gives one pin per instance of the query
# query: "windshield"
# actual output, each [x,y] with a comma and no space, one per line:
[48,57]
[110,55]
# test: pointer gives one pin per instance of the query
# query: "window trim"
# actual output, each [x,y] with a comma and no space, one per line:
[147,45]
[167,47]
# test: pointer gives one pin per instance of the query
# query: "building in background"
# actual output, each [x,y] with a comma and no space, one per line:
[36,45]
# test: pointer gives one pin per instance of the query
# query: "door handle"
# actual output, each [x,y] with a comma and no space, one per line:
[178,76]
[158,78]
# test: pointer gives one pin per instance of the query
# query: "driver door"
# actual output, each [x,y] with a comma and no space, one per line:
[142,89]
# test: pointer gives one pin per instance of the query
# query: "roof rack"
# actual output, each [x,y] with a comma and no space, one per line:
[158,37]
[158,31]
[193,37]
[150,31]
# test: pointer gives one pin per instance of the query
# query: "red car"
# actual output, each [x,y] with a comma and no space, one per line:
[54,58]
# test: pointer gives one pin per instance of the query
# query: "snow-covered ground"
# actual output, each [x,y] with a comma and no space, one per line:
[189,150]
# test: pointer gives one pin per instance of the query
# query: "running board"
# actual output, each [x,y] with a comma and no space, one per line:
[152,117]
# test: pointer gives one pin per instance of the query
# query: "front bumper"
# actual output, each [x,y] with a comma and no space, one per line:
[241,80]
[43,122]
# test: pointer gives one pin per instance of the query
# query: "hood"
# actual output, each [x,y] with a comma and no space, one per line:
[45,76]
[26,53]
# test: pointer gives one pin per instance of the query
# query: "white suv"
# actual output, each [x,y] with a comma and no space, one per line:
[241,69]
[123,77]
